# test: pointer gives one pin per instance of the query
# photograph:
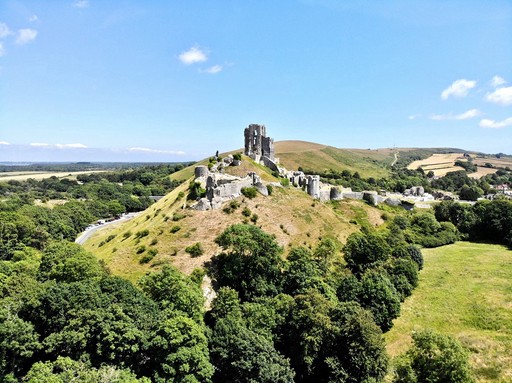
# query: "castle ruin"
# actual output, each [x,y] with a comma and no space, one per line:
[257,144]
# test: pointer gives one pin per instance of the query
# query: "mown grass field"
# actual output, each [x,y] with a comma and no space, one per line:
[465,290]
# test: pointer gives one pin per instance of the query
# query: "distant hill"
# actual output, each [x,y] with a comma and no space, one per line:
[289,213]
[321,158]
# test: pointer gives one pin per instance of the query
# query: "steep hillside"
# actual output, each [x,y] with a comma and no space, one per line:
[321,158]
[289,213]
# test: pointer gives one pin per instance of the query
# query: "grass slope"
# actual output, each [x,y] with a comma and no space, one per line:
[465,290]
[321,158]
[290,214]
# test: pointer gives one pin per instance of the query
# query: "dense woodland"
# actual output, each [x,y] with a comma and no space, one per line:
[316,316]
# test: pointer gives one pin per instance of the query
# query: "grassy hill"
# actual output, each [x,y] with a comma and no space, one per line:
[320,158]
[465,291]
[290,214]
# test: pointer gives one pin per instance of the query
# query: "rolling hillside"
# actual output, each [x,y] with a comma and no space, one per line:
[321,158]
[289,213]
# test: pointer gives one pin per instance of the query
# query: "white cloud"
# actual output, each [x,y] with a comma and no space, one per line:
[193,55]
[58,146]
[4,30]
[414,116]
[4,143]
[148,150]
[501,96]
[497,81]
[25,36]
[472,113]
[459,88]
[70,146]
[486,123]
[2,50]
[33,18]
[39,144]
[214,69]
[81,4]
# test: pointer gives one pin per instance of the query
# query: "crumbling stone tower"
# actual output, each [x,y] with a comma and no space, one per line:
[257,144]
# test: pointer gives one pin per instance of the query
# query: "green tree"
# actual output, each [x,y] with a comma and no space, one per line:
[175,291]
[379,296]
[250,264]
[433,358]
[365,251]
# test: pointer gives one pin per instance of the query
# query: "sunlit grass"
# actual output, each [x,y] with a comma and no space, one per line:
[465,291]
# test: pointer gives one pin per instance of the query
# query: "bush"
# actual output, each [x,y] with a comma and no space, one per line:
[270,189]
[141,249]
[178,217]
[246,212]
[127,234]
[237,156]
[249,192]
[433,358]
[195,250]
[142,233]
[254,218]
[148,256]
[154,241]
[175,229]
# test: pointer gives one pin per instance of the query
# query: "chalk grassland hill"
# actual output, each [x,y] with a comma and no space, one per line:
[442,163]
[322,158]
[289,213]
[465,290]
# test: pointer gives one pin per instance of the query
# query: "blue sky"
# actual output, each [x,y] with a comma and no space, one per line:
[177,80]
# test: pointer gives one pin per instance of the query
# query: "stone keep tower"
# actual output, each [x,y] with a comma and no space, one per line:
[257,144]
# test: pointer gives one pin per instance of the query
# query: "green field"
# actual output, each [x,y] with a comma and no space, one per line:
[465,291]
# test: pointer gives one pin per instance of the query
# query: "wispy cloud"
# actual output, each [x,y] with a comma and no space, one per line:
[33,18]
[4,143]
[58,146]
[4,30]
[2,50]
[502,96]
[81,4]
[497,81]
[472,113]
[459,88]
[149,150]
[192,56]
[491,124]
[214,69]
[25,36]
[414,116]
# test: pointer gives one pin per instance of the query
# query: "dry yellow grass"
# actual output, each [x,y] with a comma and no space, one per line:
[290,214]
[482,172]
[440,164]
[23,176]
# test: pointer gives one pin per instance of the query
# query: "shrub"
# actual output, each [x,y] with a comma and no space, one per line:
[284,182]
[249,192]
[148,256]
[178,217]
[433,358]
[254,218]
[237,156]
[246,212]
[154,241]
[175,229]
[270,189]
[195,250]
[142,233]
[127,234]
[141,249]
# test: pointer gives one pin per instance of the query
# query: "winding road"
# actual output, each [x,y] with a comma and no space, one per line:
[84,236]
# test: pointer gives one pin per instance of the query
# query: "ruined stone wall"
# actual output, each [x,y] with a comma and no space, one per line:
[257,144]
